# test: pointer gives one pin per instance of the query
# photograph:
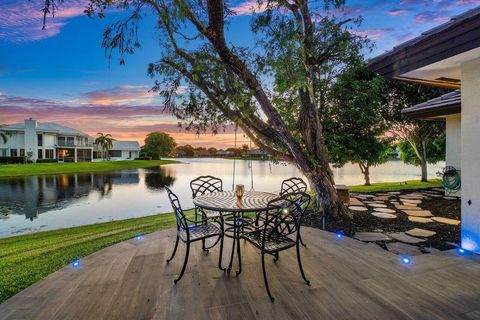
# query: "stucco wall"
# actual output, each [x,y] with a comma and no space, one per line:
[454,144]
[470,132]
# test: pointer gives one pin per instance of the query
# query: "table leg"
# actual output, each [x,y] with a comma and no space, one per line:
[238,252]
[234,239]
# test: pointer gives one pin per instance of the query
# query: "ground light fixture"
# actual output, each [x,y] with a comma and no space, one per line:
[138,237]
[406,260]
[75,263]
[339,234]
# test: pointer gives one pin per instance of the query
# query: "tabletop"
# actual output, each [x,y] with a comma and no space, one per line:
[227,201]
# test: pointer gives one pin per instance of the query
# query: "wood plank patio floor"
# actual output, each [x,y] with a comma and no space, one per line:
[349,280]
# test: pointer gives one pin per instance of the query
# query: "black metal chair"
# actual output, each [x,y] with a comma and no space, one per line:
[202,185]
[294,185]
[189,231]
[280,230]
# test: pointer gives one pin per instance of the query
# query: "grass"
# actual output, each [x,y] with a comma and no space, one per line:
[29,258]
[15,170]
[397,186]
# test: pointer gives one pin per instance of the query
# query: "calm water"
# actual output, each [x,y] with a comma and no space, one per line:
[49,202]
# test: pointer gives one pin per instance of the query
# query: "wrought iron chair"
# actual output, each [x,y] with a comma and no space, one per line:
[293,185]
[189,231]
[202,185]
[281,230]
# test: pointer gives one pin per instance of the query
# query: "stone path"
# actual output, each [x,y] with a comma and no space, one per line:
[422,233]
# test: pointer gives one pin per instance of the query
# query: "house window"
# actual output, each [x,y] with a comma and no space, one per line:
[70,141]
[3,152]
[13,153]
[40,154]
[61,141]
[40,140]
[22,152]
[115,153]
[49,154]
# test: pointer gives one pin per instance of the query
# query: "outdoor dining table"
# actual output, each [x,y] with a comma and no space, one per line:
[227,205]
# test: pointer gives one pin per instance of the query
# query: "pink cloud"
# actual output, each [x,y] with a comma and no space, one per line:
[372,34]
[249,7]
[397,12]
[431,17]
[21,21]
[121,95]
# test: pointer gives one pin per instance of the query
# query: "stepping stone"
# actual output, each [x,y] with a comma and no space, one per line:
[406,196]
[446,221]
[419,213]
[403,207]
[383,215]
[436,195]
[401,249]
[419,219]
[421,233]
[371,236]
[377,205]
[385,210]
[383,194]
[382,198]
[439,189]
[414,201]
[394,192]
[402,237]
[355,202]
[368,195]
[450,198]
[357,208]
[431,250]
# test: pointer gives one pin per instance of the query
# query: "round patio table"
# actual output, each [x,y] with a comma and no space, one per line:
[226,204]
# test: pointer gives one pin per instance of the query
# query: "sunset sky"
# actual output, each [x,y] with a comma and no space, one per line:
[61,74]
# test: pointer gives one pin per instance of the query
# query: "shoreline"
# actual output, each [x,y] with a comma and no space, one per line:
[32,169]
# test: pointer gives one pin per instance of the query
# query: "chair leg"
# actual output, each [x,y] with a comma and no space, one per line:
[174,250]
[203,247]
[276,256]
[301,240]
[300,265]
[184,264]
[265,278]
[221,255]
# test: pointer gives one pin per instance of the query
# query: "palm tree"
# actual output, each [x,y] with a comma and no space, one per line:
[105,141]
[4,136]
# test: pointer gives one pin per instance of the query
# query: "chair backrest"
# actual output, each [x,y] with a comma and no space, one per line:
[205,184]
[177,210]
[293,185]
[284,215]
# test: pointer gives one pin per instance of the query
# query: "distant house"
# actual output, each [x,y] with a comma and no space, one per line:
[256,153]
[46,140]
[201,153]
[223,153]
[124,150]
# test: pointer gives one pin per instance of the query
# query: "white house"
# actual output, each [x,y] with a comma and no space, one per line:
[448,56]
[45,140]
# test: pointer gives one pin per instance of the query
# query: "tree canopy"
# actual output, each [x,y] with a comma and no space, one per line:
[354,128]
[159,144]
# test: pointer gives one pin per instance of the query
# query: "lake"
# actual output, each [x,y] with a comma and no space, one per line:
[48,202]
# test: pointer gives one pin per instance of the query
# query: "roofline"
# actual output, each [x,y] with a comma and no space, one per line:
[433,113]
[460,34]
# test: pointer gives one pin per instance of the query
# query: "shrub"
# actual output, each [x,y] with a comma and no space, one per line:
[143,158]
[12,159]
[47,160]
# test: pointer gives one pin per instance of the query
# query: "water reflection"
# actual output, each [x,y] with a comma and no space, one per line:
[158,177]
[31,196]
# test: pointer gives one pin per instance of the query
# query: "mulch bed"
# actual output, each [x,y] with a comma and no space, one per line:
[446,235]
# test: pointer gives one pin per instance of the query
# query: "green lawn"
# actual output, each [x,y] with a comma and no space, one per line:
[15,170]
[397,186]
[26,259]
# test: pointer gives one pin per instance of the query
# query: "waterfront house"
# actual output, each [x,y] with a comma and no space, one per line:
[45,140]
[448,56]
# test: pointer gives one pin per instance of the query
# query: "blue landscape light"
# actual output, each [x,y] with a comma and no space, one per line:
[406,260]
[339,235]
[138,237]
[461,250]
[75,263]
